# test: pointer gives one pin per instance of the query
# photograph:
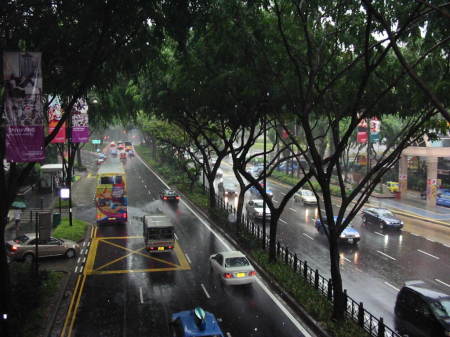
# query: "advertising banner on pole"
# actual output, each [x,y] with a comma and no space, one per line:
[80,127]
[55,113]
[23,106]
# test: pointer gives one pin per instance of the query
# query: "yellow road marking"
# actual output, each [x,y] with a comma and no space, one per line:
[69,312]
[119,237]
[116,260]
[74,314]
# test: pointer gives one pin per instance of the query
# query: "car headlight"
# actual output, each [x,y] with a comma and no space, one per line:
[357,235]
[342,236]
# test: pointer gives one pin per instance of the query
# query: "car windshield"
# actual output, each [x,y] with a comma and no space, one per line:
[444,196]
[236,262]
[229,186]
[441,308]
[21,239]
[307,193]
[170,193]
[385,212]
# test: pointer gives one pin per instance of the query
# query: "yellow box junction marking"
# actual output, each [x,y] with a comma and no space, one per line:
[90,270]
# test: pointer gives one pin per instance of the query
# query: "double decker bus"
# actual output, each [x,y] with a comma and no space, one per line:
[111,194]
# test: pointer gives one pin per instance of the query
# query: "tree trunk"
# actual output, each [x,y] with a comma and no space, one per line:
[240,206]
[273,236]
[212,192]
[339,304]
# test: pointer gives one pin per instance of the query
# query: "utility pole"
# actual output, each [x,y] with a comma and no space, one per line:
[264,182]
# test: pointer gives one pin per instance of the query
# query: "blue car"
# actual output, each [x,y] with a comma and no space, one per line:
[443,199]
[348,235]
[195,322]
[254,191]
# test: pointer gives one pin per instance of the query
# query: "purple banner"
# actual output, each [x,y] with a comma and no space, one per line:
[80,127]
[23,107]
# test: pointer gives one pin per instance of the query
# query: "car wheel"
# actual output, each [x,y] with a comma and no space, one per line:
[70,253]
[29,258]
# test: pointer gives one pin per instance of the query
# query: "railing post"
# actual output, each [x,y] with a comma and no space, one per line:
[345,299]
[361,314]
[286,255]
[295,262]
[305,270]
[330,290]
[380,328]
[278,248]
[316,279]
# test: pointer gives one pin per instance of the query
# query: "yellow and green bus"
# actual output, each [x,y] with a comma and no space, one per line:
[111,198]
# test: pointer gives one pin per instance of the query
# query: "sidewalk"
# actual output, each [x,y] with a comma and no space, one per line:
[412,205]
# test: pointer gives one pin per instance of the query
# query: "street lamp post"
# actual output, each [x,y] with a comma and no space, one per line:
[70,162]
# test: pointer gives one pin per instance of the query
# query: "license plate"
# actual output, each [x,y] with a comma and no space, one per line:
[350,240]
[160,248]
[111,218]
[241,274]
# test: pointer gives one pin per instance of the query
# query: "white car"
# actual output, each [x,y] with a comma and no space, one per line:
[233,268]
[255,209]
[307,197]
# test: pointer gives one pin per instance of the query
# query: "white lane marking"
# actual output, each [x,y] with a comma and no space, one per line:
[346,259]
[390,285]
[204,289]
[76,269]
[273,200]
[442,282]
[228,334]
[187,258]
[387,255]
[78,261]
[149,192]
[146,187]
[283,309]
[446,245]
[431,255]
[84,243]
[308,236]
[89,243]
[293,210]
[282,193]
[141,296]
[267,291]
[283,220]
[176,236]
[84,260]
[379,234]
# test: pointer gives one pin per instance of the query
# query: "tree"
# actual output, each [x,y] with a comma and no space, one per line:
[86,44]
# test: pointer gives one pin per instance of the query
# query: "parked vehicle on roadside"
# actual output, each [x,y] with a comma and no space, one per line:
[233,268]
[348,235]
[422,311]
[393,186]
[23,247]
[443,199]
[382,218]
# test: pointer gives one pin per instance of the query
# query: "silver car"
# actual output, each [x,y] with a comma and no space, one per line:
[233,268]
[307,197]
[24,247]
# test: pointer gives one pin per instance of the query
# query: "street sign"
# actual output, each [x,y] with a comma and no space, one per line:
[96,141]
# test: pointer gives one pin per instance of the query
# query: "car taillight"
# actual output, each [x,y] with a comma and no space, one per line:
[13,248]
[228,275]
[252,273]
[125,215]
[170,247]
[177,197]
[152,248]
[165,198]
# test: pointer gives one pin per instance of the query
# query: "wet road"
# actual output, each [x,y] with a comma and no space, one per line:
[124,291]
[374,270]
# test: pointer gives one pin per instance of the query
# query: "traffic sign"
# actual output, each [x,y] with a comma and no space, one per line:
[96,141]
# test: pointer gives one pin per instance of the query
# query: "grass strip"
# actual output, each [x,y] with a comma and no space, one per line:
[75,232]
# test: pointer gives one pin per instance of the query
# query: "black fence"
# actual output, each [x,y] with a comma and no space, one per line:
[355,310]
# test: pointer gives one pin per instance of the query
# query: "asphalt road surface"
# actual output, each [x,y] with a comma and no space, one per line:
[374,270]
[125,291]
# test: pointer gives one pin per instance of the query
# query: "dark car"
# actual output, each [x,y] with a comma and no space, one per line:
[348,235]
[381,217]
[169,195]
[421,311]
